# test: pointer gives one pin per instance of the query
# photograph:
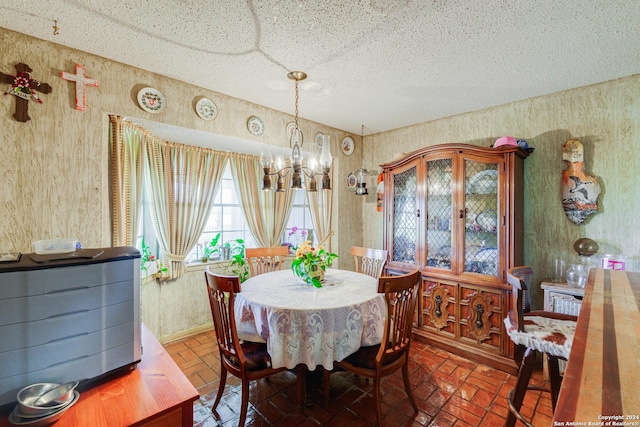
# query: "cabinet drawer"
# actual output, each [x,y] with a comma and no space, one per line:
[29,359]
[30,334]
[53,304]
[17,284]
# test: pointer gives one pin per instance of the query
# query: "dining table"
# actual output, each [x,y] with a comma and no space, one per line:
[308,326]
[601,384]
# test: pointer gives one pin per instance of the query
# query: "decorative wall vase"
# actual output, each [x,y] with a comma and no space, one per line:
[579,190]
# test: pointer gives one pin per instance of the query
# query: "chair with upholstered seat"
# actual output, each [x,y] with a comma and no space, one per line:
[549,333]
[264,260]
[246,360]
[378,361]
[369,261]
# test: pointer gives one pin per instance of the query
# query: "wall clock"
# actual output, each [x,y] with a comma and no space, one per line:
[348,145]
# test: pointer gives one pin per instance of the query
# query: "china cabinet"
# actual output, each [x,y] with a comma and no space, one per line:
[455,212]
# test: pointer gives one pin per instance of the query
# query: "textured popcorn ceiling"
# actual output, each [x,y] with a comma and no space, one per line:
[382,63]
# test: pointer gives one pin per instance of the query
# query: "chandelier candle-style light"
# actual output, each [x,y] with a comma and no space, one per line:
[295,165]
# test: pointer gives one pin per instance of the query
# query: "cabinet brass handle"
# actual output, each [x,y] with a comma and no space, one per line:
[438,306]
[479,311]
[418,213]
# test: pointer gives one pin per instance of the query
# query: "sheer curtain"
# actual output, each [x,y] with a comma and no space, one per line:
[320,210]
[127,169]
[266,212]
[183,181]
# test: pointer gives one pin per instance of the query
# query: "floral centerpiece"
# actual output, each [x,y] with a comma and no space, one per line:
[310,263]
[293,237]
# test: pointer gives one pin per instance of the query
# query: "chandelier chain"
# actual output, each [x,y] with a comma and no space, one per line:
[296,117]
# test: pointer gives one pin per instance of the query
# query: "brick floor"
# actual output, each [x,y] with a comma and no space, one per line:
[449,390]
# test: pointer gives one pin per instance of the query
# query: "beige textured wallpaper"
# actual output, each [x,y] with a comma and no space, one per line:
[54,168]
[605,117]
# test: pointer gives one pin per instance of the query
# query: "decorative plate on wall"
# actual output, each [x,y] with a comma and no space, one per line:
[206,109]
[151,100]
[347,145]
[319,141]
[352,182]
[255,126]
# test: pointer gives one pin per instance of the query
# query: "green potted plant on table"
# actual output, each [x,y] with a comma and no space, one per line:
[311,263]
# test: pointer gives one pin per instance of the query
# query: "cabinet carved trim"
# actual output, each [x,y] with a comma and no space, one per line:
[478,319]
[438,296]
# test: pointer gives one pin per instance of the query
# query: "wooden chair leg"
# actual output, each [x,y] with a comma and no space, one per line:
[377,398]
[407,385]
[221,384]
[516,396]
[245,402]
[555,380]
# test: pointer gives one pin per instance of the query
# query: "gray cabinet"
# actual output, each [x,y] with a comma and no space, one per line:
[68,319]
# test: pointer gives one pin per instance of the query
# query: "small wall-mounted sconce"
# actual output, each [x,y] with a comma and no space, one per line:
[361,176]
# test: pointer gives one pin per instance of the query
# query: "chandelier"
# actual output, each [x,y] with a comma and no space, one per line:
[296,165]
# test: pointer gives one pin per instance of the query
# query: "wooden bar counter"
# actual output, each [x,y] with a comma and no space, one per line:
[157,394]
[601,385]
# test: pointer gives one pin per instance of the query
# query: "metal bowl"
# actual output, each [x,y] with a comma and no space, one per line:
[28,395]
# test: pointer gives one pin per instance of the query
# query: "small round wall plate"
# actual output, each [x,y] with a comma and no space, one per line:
[352,182]
[319,141]
[151,100]
[255,126]
[206,109]
[348,145]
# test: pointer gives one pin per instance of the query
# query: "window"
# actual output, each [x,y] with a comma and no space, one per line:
[227,218]
[300,218]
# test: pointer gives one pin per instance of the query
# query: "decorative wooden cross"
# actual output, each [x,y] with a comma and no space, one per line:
[81,80]
[24,87]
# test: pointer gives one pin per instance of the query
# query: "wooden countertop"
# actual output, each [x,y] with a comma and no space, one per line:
[602,379]
[157,393]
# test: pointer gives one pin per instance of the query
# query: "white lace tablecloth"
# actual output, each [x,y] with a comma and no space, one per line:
[304,324]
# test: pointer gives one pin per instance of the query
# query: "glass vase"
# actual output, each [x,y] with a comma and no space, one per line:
[577,276]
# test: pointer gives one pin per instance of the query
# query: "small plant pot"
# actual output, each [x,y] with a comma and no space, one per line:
[204,259]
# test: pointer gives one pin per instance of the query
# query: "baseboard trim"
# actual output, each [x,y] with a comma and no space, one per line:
[186,333]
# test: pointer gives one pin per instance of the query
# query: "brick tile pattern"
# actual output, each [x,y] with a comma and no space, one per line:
[449,390]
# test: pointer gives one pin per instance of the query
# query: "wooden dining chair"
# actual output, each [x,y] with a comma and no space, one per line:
[549,333]
[378,361]
[244,359]
[264,260]
[369,261]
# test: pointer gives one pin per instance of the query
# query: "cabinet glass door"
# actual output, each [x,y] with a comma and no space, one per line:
[440,213]
[482,208]
[405,218]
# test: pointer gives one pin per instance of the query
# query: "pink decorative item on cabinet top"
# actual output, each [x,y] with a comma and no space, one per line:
[579,190]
